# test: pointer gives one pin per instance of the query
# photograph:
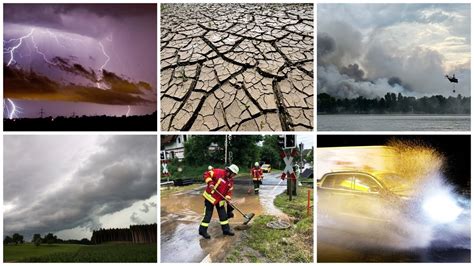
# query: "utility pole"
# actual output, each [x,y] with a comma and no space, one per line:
[301,156]
[225,150]
[228,154]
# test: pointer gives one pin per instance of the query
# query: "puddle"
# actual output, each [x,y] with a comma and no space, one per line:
[182,212]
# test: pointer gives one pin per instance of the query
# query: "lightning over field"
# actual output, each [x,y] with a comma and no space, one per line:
[87,60]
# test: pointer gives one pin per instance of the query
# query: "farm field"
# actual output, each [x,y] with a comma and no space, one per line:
[111,252]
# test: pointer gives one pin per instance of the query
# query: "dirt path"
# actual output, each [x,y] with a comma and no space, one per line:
[237,67]
[182,212]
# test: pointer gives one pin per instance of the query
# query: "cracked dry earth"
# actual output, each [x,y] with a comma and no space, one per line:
[237,67]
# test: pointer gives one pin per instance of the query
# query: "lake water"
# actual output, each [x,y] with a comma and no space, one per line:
[394,122]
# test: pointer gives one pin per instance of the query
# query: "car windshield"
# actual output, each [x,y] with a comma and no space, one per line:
[394,182]
[265,165]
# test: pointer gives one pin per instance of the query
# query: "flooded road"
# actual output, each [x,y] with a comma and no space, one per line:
[181,214]
[343,246]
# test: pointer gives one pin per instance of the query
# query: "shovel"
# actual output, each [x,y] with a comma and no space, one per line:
[247,217]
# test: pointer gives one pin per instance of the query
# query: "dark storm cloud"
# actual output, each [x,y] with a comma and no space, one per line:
[83,54]
[66,65]
[71,181]
[68,17]
[122,85]
[21,84]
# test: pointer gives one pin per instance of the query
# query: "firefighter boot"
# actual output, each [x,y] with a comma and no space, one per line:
[229,233]
[203,232]
[226,230]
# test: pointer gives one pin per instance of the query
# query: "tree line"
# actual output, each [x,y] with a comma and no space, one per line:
[392,103]
[47,239]
[245,150]
[144,233]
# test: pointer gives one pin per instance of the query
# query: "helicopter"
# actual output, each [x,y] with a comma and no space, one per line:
[452,79]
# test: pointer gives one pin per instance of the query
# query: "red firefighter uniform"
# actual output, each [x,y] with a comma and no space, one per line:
[217,178]
[257,175]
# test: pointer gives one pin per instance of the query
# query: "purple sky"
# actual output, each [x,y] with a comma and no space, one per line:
[87,59]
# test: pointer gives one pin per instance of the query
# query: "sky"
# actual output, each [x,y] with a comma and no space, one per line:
[371,49]
[306,139]
[71,185]
[80,58]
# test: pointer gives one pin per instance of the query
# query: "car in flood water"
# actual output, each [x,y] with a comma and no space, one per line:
[354,195]
[358,200]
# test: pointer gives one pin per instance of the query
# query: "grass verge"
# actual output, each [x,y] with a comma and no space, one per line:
[263,245]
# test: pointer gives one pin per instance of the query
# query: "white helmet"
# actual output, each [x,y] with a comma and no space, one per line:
[233,168]
[210,167]
[257,164]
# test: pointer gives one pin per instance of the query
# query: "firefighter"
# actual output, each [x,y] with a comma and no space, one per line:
[220,180]
[257,175]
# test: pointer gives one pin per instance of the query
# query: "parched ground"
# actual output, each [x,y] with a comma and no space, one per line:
[237,67]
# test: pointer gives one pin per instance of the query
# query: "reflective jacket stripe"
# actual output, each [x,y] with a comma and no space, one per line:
[208,197]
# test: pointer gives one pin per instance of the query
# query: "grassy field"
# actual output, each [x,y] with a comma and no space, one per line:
[294,245]
[112,252]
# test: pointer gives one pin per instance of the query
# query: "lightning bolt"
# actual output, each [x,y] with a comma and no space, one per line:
[56,38]
[11,50]
[128,112]
[106,55]
[105,63]
[13,112]
[41,53]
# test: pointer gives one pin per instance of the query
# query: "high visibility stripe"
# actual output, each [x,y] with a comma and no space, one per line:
[224,222]
[221,203]
[208,197]
[217,184]
[205,224]
[208,180]
[257,189]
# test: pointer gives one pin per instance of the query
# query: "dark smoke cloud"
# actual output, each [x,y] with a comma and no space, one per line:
[363,58]
[326,45]
[353,71]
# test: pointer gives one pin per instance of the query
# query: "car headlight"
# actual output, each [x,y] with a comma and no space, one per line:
[441,208]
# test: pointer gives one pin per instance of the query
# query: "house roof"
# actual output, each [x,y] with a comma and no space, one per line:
[167,139]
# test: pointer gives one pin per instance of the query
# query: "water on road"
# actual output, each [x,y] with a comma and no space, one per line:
[181,214]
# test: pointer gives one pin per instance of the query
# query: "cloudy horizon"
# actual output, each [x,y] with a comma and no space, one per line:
[71,185]
[371,49]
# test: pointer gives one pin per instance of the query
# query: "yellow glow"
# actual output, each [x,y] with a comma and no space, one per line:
[411,160]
